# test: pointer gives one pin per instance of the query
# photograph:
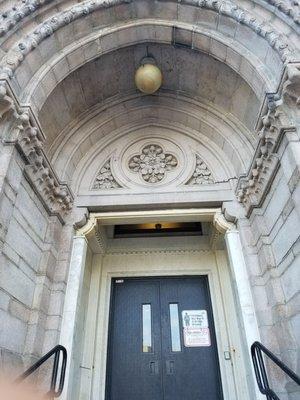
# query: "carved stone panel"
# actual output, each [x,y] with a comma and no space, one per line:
[201,175]
[105,179]
[152,159]
[153,163]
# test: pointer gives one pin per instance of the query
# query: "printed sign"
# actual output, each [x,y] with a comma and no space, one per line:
[196,337]
[195,328]
[194,319]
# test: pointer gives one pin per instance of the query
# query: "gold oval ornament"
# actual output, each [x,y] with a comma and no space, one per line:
[148,78]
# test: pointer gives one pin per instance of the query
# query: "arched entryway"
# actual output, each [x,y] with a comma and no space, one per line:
[83,151]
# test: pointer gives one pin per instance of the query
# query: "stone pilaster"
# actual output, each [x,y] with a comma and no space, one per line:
[241,279]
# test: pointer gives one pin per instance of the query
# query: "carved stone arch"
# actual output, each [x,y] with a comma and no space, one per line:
[224,167]
[79,12]
[187,114]
[131,142]
[55,69]
[14,15]
[19,51]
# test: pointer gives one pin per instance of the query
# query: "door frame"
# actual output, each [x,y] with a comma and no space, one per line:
[235,327]
[149,278]
[223,342]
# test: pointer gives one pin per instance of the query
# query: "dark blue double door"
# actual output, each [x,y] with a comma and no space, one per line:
[156,351]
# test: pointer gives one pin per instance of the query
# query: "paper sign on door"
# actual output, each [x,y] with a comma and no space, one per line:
[195,328]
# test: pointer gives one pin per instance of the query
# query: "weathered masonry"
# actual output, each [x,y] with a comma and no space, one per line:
[155,236]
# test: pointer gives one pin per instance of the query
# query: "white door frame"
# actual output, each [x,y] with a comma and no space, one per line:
[233,382]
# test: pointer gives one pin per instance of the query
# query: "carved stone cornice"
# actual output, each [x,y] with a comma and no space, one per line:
[19,129]
[55,195]
[253,188]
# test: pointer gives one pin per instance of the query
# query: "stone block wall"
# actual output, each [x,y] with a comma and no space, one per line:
[28,254]
[271,236]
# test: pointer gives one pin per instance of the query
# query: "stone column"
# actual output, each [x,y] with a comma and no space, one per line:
[74,285]
[244,295]
[239,270]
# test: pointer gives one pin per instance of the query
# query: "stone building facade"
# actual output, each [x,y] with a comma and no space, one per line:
[74,135]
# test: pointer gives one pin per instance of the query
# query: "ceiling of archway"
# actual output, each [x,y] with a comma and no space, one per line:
[111,77]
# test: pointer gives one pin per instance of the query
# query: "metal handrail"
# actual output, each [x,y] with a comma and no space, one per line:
[260,370]
[56,351]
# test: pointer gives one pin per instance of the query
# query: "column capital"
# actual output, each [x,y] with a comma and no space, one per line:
[89,228]
[221,224]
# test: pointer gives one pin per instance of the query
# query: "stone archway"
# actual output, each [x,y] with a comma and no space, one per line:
[230,99]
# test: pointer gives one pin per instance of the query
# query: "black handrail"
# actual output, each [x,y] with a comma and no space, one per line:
[56,351]
[260,370]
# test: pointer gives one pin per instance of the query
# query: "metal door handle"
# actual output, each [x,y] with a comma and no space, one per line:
[170,367]
[153,365]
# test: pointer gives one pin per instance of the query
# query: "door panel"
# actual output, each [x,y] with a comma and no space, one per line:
[135,375]
[147,358]
[195,373]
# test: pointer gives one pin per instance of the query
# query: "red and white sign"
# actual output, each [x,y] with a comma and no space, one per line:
[196,337]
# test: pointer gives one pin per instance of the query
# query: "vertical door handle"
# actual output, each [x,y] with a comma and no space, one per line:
[170,367]
[153,365]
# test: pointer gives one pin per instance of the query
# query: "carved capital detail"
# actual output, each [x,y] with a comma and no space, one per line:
[19,129]
[221,224]
[253,188]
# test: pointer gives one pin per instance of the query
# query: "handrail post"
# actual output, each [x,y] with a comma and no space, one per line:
[260,370]
[52,393]
[54,372]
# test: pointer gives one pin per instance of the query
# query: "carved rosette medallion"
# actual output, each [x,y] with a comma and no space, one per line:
[153,163]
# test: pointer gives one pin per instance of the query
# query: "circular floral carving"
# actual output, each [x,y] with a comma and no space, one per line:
[153,163]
